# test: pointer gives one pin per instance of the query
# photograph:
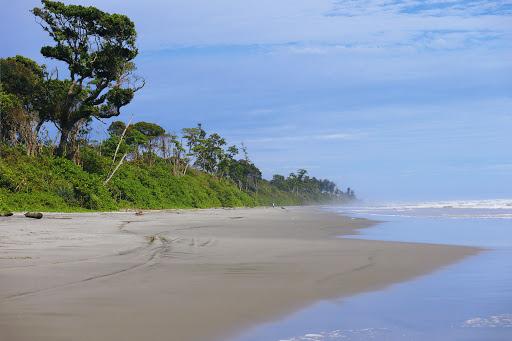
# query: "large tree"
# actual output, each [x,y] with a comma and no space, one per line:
[24,101]
[98,49]
[245,174]
[150,133]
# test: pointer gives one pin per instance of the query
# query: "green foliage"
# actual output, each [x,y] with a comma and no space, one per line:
[21,76]
[98,48]
[302,184]
[268,194]
[55,184]
[93,163]
[149,130]
[245,174]
[93,43]
[49,183]
[116,128]
[10,106]
[144,186]
[23,100]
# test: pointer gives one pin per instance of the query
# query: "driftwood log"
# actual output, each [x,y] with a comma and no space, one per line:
[6,214]
[35,215]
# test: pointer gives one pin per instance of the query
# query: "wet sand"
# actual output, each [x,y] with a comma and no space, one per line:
[190,274]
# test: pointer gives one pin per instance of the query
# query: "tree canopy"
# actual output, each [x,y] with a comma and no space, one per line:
[25,104]
[98,49]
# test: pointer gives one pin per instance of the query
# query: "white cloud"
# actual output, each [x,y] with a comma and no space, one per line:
[365,22]
[421,7]
[308,138]
[316,25]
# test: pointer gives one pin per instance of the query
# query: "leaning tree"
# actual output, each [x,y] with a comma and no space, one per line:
[98,49]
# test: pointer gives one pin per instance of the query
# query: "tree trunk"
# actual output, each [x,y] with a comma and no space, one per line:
[63,143]
[73,152]
[68,144]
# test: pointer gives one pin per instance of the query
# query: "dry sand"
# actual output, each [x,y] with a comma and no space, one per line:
[187,275]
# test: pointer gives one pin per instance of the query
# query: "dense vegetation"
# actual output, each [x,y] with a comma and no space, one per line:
[139,165]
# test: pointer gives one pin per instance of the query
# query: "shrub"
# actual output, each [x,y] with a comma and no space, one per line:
[49,183]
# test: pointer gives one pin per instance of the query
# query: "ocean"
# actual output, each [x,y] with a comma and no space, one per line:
[468,300]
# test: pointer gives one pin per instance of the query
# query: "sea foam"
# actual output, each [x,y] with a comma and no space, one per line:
[347,334]
[456,209]
[494,321]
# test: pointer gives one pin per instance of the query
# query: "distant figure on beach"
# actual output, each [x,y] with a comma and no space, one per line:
[273,205]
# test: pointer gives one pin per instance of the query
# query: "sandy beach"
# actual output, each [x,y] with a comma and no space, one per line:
[187,274]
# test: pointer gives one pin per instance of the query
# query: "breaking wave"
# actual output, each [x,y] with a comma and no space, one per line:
[494,321]
[483,209]
[348,334]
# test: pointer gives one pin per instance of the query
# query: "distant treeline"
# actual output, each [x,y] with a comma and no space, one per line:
[98,49]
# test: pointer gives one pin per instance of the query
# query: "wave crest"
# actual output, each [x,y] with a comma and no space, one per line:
[494,321]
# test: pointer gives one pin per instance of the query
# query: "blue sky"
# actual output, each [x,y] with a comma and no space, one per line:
[401,100]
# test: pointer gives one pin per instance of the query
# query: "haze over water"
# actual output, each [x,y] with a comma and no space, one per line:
[469,300]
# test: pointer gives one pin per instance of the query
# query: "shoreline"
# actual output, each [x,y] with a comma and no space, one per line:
[203,274]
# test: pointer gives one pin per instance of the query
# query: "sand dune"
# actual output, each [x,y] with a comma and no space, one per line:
[187,275]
